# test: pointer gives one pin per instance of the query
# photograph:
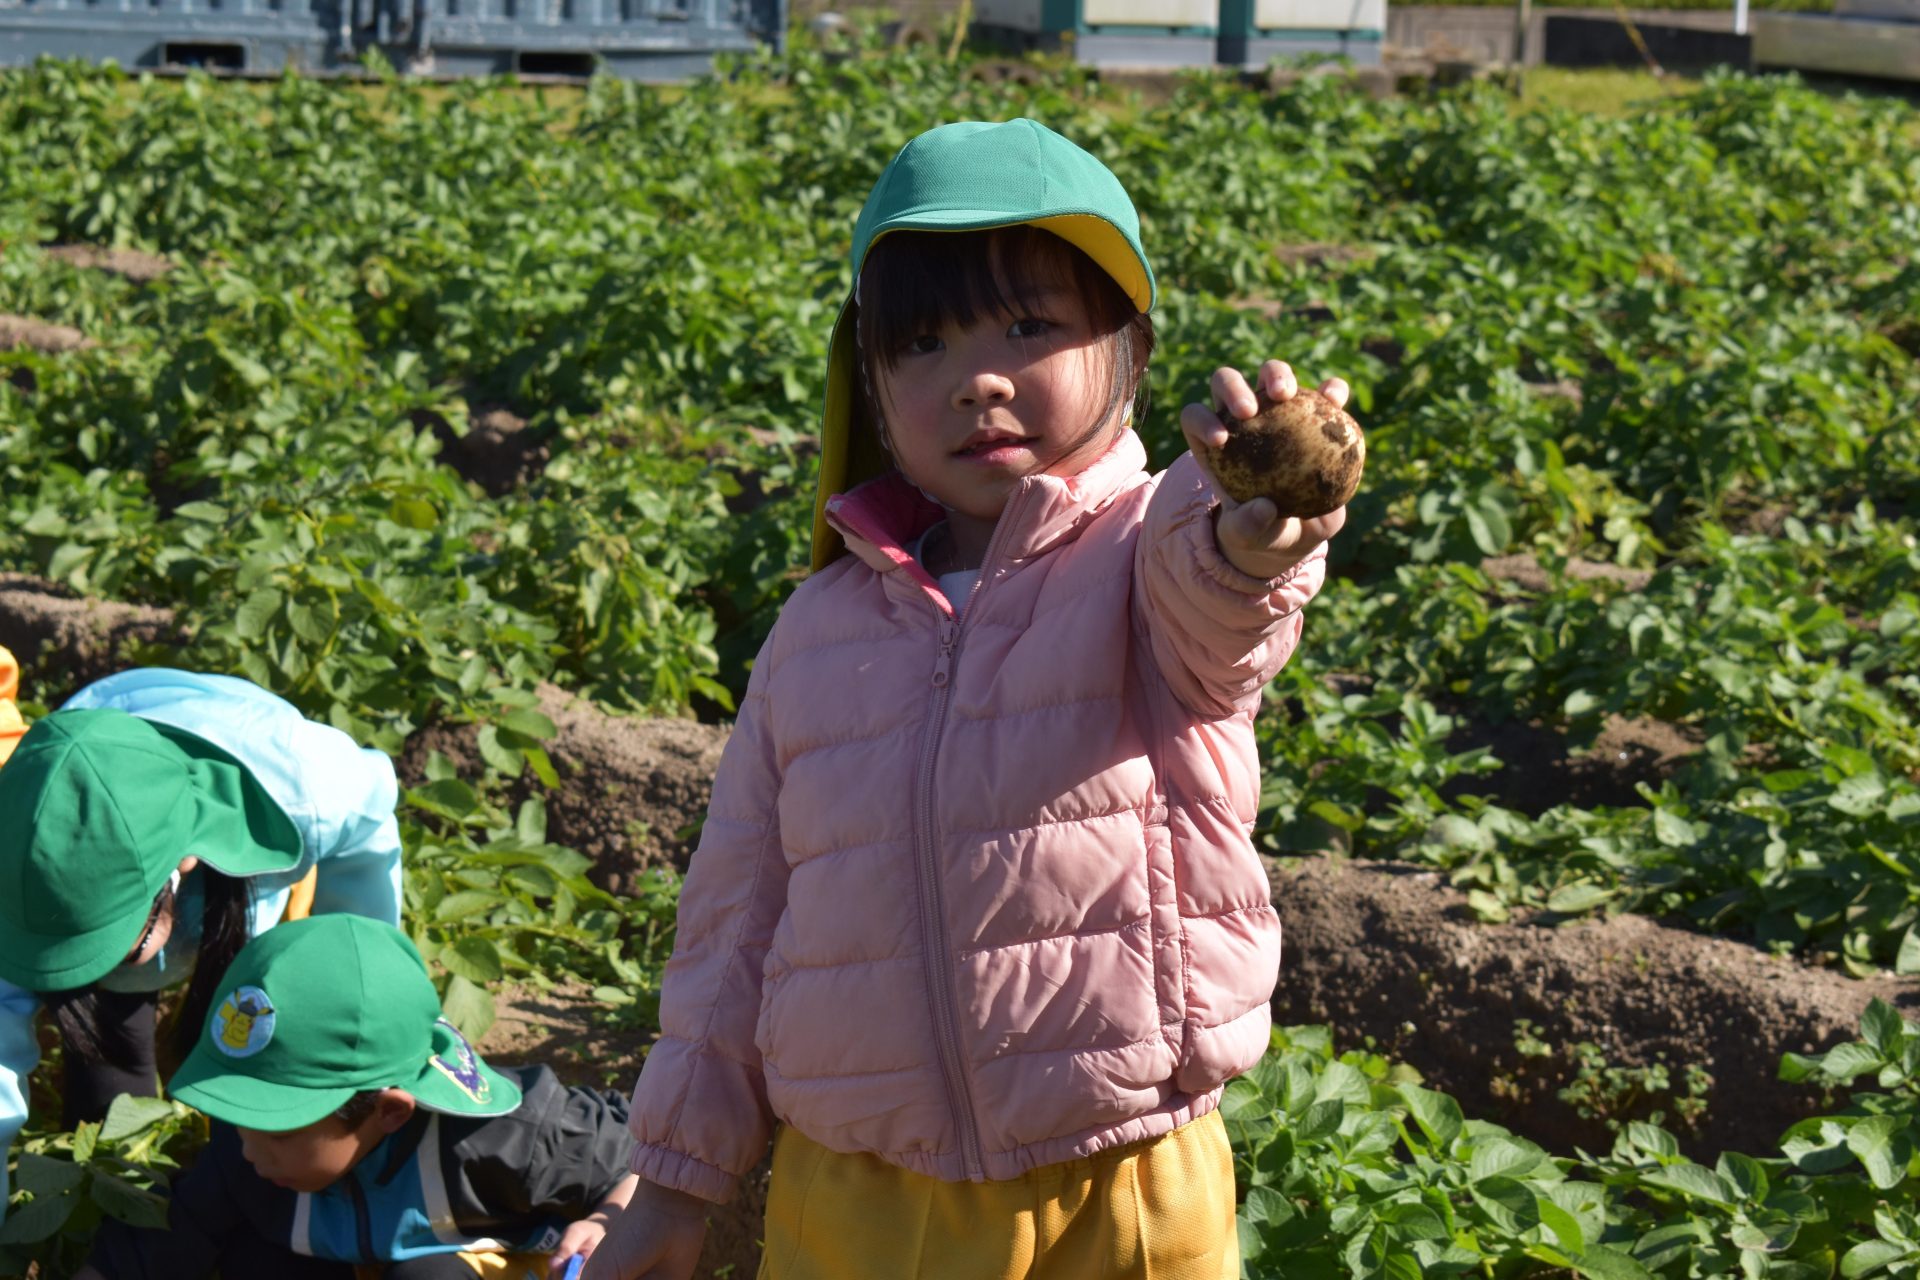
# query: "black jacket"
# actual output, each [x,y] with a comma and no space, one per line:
[440,1184]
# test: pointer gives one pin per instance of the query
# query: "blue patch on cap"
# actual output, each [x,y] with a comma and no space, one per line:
[243,1024]
[463,1067]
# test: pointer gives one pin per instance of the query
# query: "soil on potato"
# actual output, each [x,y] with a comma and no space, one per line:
[1389,952]
[64,640]
[568,1030]
[631,791]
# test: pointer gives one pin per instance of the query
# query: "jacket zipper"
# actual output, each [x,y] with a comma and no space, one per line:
[933,923]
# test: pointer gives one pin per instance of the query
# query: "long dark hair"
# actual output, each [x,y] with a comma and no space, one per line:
[225,924]
[915,282]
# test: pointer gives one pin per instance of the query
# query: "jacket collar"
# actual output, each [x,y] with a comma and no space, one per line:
[880,518]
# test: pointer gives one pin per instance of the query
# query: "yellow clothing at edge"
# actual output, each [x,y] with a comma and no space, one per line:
[1156,1210]
[492,1266]
[12,727]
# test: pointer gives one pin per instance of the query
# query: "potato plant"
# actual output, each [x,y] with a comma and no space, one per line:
[1677,345]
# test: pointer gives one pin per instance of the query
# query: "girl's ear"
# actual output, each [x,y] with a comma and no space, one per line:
[392,1110]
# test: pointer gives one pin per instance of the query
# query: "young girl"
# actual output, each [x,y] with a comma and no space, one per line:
[976,917]
[153,824]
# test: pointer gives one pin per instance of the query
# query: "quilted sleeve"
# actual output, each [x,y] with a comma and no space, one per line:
[1218,635]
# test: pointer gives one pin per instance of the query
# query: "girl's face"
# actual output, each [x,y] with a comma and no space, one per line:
[971,409]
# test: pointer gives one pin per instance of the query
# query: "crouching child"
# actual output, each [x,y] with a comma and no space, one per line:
[357,1134]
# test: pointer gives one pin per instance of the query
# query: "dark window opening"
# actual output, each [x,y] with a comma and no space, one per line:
[210,57]
[579,65]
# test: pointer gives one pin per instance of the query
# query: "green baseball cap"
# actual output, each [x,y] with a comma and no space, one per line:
[971,176]
[312,1012]
[102,806]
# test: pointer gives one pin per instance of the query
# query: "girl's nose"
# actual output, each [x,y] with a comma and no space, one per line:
[982,388]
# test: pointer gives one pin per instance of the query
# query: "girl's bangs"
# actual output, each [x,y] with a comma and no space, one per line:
[917,282]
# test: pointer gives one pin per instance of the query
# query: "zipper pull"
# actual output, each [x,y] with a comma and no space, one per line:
[943,666]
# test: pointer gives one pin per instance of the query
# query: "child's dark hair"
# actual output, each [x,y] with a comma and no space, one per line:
[916,282]
[354,1111]
[225,922]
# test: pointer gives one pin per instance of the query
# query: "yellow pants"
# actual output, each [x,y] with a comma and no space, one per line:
[1156,1210]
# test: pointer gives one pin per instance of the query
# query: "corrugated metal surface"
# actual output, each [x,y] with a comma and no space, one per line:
[642,39]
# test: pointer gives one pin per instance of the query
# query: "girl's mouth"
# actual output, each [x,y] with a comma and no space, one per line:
[996,449]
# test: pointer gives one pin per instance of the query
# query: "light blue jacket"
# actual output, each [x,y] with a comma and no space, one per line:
[339,796]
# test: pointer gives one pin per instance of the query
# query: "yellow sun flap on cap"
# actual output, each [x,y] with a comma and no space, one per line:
[12,727]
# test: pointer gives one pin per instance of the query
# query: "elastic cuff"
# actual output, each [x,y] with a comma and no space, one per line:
[1214,563]
[681,1172]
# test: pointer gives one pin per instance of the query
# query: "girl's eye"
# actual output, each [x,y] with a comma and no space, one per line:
[1028,327]
[924,345]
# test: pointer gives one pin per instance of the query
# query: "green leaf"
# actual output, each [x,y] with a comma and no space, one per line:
[1691,1180]
[1881,1145]
[1268,1207]
[534,724]
[129,1115]
[1438,1115]
[39,1218]
[1345,1082]
[1652,1139]
[1321,1120]
[133,1205]
[475,959]
[466,903]
[1907,962]
[1572,899]
[1564,1226]
[1747,1176]
[542,766]
[498,755]
[1487,523]
[1882,1027]
[45,1176]
[1498,1157]
[1870,1255]
[1510,1203]
[467,1007]
[1602,1263]
[256,613]
[449,795]
[413,513]
[251,371]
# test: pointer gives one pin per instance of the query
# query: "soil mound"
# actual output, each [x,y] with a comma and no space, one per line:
[1525,572]
[128,264]
[630,788]
[498,452]
[1390,952]
[65,640]
[38,335]
[1540,770]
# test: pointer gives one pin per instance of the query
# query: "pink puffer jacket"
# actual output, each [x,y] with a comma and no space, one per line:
[979,896]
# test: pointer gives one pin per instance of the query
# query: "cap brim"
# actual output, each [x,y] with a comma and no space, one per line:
[458,1081]
[61,962]
[275,842]
[249,1102]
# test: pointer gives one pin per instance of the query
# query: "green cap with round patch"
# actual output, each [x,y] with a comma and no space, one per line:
[316,1010]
